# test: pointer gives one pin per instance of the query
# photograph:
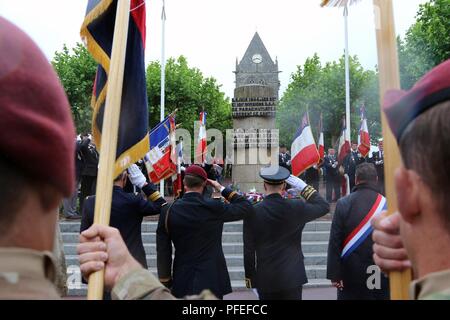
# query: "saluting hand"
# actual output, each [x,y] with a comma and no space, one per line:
[214,184]
[102,247]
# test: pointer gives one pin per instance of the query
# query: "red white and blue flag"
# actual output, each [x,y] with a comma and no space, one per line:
[161,161]
[364,229]
[344,143]
[98,32]
[200,153]
[321,144]
[304,149]
[364,137]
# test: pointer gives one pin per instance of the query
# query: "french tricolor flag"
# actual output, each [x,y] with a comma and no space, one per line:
[364,137]
[303,149]
[321,145]
[344,143]
[200,153]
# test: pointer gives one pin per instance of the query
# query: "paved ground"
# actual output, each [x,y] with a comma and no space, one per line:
[308,294]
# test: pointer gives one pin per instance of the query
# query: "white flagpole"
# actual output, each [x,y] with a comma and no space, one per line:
[347,78]
[163,76]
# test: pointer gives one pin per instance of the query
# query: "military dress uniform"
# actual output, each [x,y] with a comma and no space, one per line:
[273,258]
[352,160]
[378,161]
[194,225]
[332,178]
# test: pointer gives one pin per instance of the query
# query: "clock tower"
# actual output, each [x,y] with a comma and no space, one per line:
[257,67]
[255,144]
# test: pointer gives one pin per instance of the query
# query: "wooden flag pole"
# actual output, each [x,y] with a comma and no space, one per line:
[109,134]
[389,79]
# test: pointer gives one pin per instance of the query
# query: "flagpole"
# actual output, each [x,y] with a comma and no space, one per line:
[163,76]
[390,79]
[347,78]
[109,135]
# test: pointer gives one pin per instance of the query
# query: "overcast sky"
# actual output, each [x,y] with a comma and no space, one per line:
[212,33]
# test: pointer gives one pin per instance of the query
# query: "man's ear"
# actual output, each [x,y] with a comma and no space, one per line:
[408,193]
[265,187]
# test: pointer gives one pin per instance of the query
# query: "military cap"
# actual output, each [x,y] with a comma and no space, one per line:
[402,107]
[37,133]
[274,176]
[195,170]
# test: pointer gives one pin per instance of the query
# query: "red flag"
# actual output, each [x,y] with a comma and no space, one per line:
[364,137]
[344,144]
[303,149]
[200,153]
[321,145]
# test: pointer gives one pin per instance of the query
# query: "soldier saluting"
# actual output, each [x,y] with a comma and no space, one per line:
[273,257]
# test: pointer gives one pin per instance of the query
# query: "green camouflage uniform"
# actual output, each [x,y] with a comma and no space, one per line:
[435,286]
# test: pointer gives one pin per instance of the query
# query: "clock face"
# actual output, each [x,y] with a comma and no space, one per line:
[257,58]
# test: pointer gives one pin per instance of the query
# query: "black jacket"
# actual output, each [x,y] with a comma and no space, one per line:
[330,172]
[352,270]
[127,211]
[351,161]
[89,155]
[273,257]
[195,226]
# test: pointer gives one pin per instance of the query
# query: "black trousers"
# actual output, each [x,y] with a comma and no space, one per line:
[333,184]
[290,294]
[88,184]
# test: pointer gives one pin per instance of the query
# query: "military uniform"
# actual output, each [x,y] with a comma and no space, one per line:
[352,160]
[27,274]
[273,257]
[194,224]
[332,177]
[378,161]
[435,286]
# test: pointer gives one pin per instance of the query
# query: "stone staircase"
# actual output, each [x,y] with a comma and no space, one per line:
[314,244]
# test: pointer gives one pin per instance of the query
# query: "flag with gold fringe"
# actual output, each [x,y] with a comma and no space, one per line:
[98,31]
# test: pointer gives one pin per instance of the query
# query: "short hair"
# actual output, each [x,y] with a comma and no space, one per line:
[366,172]
[425,148]
[193,182]
[14,186]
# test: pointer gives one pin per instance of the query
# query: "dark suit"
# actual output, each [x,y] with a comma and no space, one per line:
[195,226]
[352,270]
[378,161]
[273,257]
[332,177]
[127,211]
[89,170]
[351,161]
[284,161]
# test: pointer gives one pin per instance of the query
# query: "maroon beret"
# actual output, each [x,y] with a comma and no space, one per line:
[195,170]
[402,107]
[36,128]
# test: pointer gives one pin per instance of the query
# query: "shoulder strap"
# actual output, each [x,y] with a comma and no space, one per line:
[166,221]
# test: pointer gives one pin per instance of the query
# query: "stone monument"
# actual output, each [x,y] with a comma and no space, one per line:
[254,107]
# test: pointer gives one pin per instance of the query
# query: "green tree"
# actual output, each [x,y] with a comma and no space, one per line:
[188,91]
[427,42]
[76,70]
[321,89]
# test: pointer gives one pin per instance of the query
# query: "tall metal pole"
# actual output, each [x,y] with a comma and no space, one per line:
[163,76]
[347,78]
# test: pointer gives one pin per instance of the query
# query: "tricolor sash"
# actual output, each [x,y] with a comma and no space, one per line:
[364,229]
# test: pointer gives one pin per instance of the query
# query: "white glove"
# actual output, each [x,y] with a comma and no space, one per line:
[136,176]
[296,183]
